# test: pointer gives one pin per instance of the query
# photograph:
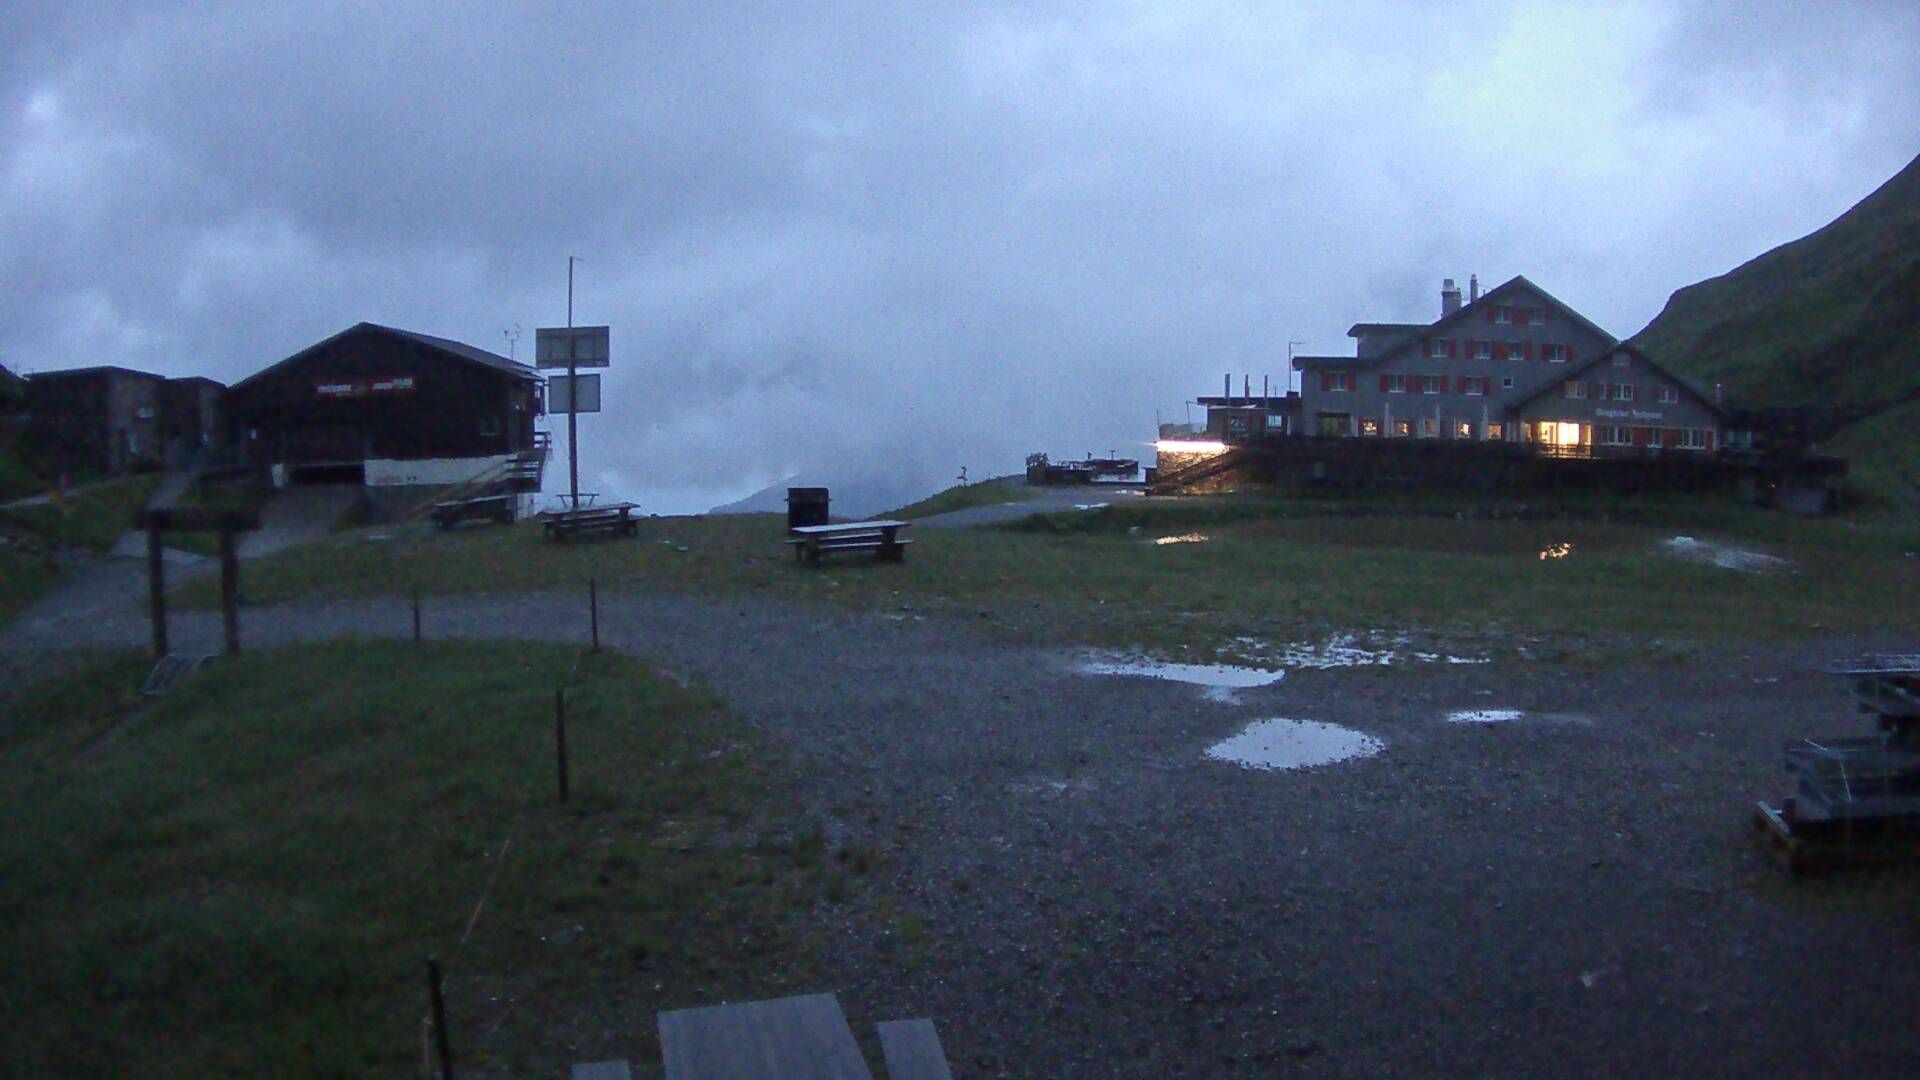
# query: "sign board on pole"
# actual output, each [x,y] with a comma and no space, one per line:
[560,393]
[581,346]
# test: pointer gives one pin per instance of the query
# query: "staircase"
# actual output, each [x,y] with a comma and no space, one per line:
[1175,482]
[519,474]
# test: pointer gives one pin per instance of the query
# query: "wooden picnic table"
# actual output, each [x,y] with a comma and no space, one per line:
[615,518]
[794,1038]
[811,542]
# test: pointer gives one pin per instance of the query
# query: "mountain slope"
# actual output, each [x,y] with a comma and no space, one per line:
[1831,318]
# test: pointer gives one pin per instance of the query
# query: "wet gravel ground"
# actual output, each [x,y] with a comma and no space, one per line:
[1070,889]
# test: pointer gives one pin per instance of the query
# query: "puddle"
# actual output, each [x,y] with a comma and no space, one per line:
[1089,506]
[1293,744]
[1183,538]
[1220,680]
[1555,551]
[1345,650]
[1484,716]
[1728,558]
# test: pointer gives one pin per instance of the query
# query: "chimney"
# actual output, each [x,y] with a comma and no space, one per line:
[1473,288]
[1246,385]
[1449,298]
[1226,385]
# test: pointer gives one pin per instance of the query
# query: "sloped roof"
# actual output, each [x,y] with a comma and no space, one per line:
[1465,311]
[448,346]
[1580,369]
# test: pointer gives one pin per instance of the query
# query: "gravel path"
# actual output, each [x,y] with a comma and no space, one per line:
[1070,890]
[1045,500]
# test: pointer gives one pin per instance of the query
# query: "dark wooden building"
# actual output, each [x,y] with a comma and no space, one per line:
[402,413]
[95,421]
[192,421]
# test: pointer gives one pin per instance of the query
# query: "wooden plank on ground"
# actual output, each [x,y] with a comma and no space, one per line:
[602,1070]
[912,1050]
[795,1038]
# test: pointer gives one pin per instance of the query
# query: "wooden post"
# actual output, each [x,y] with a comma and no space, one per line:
[560,737]
[439,1019]
[416,614]
[230,588]
[157,591]
[593,608]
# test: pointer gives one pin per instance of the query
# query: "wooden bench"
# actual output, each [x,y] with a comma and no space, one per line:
[488,507]
[811,542]
[614,518]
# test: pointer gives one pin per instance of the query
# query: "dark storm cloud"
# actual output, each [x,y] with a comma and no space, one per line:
[930,236]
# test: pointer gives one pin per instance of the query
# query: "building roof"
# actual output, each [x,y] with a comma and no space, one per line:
[448,346]
[1580,369]
[1465,311]
[215,383]
[1302,363]
[98,369]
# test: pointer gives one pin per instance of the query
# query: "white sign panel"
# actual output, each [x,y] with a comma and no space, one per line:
[582,346]
[560,394]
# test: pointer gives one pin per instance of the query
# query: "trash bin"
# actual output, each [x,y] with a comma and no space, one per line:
[806,506]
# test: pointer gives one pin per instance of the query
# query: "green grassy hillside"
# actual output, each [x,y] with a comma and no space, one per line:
[1827,319]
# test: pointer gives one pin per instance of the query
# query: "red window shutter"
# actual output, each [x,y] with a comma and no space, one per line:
[1489,312]
[1639,436]
[1453,348]
[1546,313]
[1326,381]
[1529,347]
[1383,382]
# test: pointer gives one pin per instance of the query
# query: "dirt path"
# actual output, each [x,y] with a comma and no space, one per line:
[1070,889]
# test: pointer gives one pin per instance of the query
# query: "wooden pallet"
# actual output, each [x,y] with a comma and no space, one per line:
[1813,851]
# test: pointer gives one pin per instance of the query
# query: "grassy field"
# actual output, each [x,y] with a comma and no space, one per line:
[1202,573]
[245,877]
[92,518]
[1000,489]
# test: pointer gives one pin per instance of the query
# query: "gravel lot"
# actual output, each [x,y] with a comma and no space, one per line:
[1071,890]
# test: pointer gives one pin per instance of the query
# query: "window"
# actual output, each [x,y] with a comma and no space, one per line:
[1336,424]
[1692,439]
[1336,380]
[1537,316]
[1463,429]
[1554,354]
[1506,383]
[1617,391]
[1503,315]
[1573,391]
[1620,360]
[1370,427]
[1396,384]
[1402,428]
[1483,350]
[1433,384]
[489,427]
[1616,436]
[1477,385]
[1516,350]
[1656,437]
[1495,432]
[1438,350]
[1667,395]
[1429,428]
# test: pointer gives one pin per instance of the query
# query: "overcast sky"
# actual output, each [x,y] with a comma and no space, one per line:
[894,237]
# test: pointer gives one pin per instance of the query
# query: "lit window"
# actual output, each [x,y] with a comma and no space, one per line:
[1495,432]
[1396,384]
[1429,428]
[1402,428]
[1370,427]
[1503,315]
[1483,350]
[1463,429]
